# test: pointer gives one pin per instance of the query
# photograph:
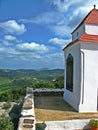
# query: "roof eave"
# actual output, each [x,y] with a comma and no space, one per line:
[70,44]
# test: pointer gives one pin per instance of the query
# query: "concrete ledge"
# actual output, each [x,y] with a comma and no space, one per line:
[68,125]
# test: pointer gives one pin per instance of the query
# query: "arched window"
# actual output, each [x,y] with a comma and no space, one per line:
[69,73]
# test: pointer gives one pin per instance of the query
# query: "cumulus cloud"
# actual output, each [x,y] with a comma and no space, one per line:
[34,53]
[9,37]
[23,51]
[12,26]
[64,17]
[32,47]
[60,42]
[14,54]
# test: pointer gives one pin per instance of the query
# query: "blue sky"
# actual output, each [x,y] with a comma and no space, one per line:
[33,32]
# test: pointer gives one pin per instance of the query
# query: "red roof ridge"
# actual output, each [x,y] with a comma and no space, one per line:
[91,18]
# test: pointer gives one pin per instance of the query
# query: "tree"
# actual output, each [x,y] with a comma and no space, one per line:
[59,82]
[5,123]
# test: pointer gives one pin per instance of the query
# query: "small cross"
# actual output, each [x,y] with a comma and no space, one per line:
[94,6]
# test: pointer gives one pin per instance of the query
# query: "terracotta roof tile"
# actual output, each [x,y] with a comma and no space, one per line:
[84,38]
[88,38]
[91,18]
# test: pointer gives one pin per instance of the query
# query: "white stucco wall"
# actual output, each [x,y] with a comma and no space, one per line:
[78,32]
[73,97]
[84,97]
[91,29]
[89,80]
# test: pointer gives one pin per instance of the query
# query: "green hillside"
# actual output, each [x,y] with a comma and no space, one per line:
[42,78]
[39,74]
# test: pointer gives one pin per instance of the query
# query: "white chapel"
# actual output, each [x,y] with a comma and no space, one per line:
[81,65]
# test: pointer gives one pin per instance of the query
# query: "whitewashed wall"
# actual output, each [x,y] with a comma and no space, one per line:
[73,98]
[84,97]
[91,29]
[89,87]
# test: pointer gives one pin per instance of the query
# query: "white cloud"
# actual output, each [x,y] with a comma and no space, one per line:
[62,30]
[46,18]
[55,21]
[65,17]
[32,47]
[78,15]
[57,41]
[2,49]
[22,51]
[64,5]
[12,27]
[9,37]
[55,58]
[74,14]
[34,53]
[6,43]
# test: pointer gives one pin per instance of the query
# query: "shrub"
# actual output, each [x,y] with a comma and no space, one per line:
[7,105]
[5,123]
[94,123]
[40,126]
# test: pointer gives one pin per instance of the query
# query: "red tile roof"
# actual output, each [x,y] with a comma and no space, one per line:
[84,38]
[88,38]
[91,18]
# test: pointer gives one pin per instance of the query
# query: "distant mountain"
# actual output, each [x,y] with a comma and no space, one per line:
[43,73]
[41,69]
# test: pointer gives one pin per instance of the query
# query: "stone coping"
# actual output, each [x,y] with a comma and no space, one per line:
[82,124]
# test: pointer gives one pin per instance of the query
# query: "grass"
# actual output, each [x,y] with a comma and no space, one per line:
[55,108]
[5,89]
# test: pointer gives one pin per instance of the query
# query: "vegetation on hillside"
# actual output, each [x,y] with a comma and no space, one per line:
[13,83]
[6,123]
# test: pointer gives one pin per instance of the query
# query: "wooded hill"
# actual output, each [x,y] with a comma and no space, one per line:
[44,74]
[15,79]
